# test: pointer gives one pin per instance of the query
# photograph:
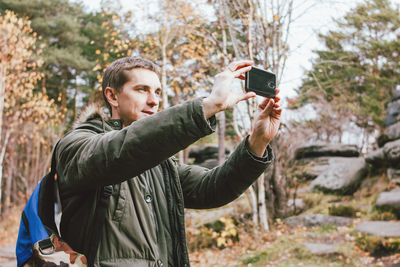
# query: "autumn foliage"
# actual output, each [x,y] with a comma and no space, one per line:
[28,118]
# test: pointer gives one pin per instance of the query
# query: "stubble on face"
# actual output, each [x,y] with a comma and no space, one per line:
[139,96]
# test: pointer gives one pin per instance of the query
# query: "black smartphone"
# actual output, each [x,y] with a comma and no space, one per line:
[261,82]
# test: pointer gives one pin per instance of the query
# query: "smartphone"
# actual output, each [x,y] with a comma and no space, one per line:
[261,82]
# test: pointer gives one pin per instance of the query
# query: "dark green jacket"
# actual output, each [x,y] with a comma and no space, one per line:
[144,224]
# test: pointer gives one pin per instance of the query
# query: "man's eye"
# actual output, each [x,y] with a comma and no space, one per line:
[158,93]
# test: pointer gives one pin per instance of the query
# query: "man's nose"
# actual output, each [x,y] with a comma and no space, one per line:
[152,99]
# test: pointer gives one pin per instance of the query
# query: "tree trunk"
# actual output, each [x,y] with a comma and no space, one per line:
[164,102]
[269,193]
[64,95]
[253,202]
[186,155]
[2,96]
[2,154]
[181,157]
[75,108]
[7,191]
[221,119]
[261,204]
[279,185]
[249,30]
[221,137]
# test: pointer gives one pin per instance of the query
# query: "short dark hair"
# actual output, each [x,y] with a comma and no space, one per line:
[115,75]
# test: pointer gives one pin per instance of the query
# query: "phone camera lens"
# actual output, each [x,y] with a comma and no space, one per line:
[271,85]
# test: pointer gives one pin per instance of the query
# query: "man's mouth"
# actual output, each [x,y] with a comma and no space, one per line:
[148,112]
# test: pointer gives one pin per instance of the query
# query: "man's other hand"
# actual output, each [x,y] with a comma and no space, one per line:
[222,96]
[265,125]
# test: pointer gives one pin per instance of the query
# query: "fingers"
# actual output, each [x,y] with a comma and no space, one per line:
[276,113]
[239,73]
[266,106]
[239,64]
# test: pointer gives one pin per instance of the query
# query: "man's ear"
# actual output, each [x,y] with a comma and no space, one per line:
[112,97]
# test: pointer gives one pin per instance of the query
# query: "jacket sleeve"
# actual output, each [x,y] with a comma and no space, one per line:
[86,159]
[204,188]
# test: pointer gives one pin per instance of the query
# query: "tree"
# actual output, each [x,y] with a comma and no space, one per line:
[358,70]
[258,30]
[58,24]
[25,115]
[109,33]
[181,47]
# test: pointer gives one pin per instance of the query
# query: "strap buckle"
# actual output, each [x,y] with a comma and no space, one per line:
[46,246]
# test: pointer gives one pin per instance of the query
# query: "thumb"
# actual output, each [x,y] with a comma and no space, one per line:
[246,96]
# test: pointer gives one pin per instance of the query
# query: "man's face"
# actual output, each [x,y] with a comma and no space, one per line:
[140,95]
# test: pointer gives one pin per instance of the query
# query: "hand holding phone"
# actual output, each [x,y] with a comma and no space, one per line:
[261,82]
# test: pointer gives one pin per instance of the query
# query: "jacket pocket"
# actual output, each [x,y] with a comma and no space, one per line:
[120,202]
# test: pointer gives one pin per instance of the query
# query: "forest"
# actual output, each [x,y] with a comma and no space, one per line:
[52,57]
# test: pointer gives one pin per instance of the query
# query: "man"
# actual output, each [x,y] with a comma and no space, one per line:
[133,152]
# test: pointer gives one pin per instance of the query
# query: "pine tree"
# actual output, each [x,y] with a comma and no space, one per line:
[356,74]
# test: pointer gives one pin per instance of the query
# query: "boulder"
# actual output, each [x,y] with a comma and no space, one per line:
[394,175]
[387,156]
[209,163]
[311,168]
[328,150]
[343,177]
[391,133]
[392,153]
[321,249]
[198,218]
[311,220]
[295,205]
[380,228]
[203,153]
[389,201]
[376,158]
[396,94]
[393,113]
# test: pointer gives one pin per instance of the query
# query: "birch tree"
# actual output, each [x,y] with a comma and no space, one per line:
[258,30]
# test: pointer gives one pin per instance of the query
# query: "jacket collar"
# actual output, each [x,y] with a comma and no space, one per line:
[94,111]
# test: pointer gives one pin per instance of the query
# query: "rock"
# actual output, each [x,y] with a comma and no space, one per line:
[209,163]
[317,220]
[394,175]
[389,201]
[391,133]
[330,150]
[321,249]
[396,94]
[311,168]
[380,228]
[198,218]
[388,156]
[8,251]
[392,113]
[295,205]
[343,177]
[8,264]
[391,151]
[203,153]
[376,158]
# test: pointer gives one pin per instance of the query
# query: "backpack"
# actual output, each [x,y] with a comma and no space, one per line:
[39,242]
